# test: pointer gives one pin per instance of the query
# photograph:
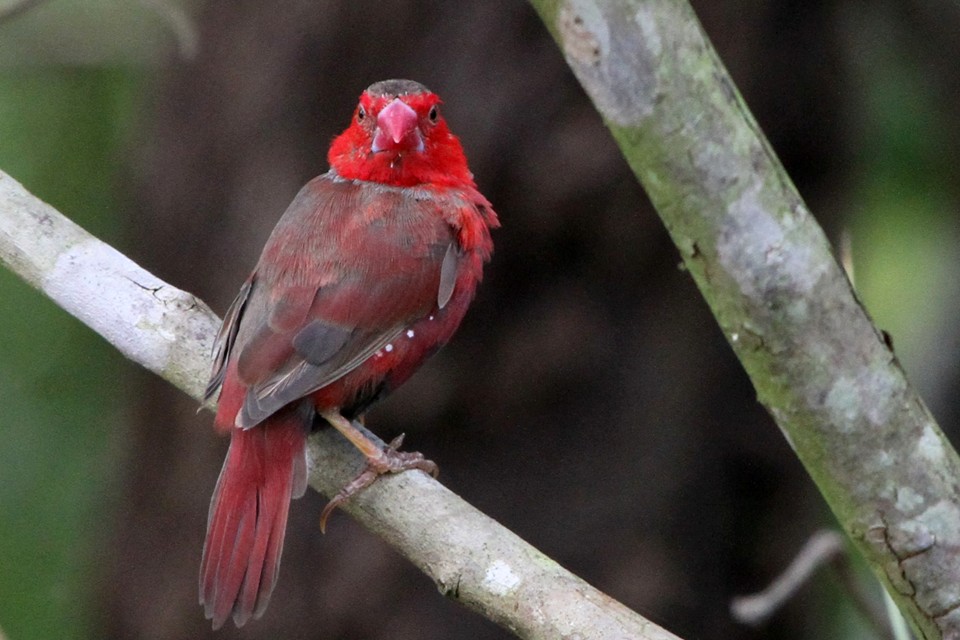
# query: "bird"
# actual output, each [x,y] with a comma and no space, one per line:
[368,272]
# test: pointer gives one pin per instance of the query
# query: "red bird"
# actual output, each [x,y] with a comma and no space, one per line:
[368,273]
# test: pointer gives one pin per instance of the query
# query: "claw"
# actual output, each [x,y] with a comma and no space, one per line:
[362,481]
[389,460]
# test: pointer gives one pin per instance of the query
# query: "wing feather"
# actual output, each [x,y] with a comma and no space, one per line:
[348,268]
[448,275]
[223,343]
[264,399]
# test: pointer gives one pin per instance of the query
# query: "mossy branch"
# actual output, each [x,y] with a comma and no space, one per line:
[766,269]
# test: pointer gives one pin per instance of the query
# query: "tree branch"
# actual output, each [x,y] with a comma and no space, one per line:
[766,269]
[471,558]
[821,549]
[824,548]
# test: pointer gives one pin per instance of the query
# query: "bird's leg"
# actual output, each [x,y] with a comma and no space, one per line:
[379,461]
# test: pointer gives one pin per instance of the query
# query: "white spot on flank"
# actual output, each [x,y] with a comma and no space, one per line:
[430,318]
[410,333]
[388,348]
[500,578]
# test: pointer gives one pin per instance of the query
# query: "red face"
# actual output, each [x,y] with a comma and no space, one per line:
[399,124]
[398,137]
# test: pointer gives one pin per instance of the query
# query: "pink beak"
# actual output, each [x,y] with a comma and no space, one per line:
[397,129]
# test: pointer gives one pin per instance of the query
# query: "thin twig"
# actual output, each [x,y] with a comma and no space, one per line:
[823,548]
[820,549]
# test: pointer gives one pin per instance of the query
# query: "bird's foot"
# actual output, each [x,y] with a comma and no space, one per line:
[388,460]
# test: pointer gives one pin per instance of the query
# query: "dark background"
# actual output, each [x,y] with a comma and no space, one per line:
[588,403]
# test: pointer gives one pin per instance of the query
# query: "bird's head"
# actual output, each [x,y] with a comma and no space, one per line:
[398,137]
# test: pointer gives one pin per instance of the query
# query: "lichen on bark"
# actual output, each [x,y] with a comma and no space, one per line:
[767,271]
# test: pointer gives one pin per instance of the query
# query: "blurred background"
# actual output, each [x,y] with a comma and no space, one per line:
[588,403]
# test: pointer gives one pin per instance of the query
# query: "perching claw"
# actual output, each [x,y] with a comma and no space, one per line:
[389,460]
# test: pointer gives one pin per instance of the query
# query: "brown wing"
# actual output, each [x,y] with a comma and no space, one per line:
[348,267]
[223,343]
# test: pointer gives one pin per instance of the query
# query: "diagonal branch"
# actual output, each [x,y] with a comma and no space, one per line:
[471,558]
[766,269]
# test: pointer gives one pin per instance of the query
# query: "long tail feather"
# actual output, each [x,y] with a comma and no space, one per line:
[264,469]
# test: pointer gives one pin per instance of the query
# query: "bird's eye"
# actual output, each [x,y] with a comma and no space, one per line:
[434,114]
[361,114]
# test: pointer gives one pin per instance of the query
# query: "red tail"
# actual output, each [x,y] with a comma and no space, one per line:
[264,469]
